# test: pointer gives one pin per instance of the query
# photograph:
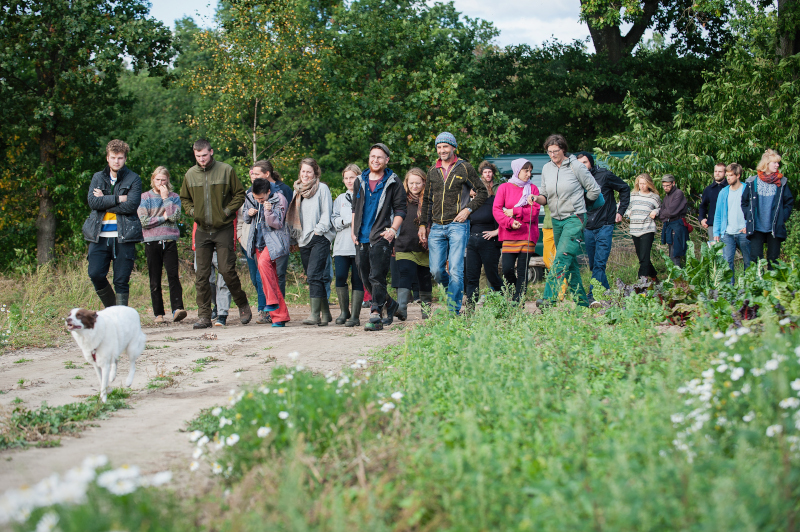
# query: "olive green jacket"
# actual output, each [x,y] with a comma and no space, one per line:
[212,195]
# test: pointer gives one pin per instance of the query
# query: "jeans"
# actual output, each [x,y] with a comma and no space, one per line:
[486,253]
[516,276]
[100,256]
[347,265]
[410,273]
[729,251]
[221,242]
[757,241]
[163,255]
[598,248]
[327,276]
[373,266]
[446,244]
[565,273]
[255,278]
[282,264]
[315,258]
[269,277]
[643,244]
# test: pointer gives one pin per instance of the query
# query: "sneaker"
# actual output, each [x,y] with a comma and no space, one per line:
[595,304]
[279,324]
[159,320]
[214,313]
[221,321]
[202,323]
[375,317]
[263,317]
[366,304]
[178,315]
[373,326]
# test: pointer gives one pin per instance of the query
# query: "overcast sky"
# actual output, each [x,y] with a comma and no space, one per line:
[519,22]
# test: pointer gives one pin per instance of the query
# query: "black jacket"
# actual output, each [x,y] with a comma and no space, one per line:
[608,183]
[392,203]
[408,239]
[129,228]
[781,207]
[708,202]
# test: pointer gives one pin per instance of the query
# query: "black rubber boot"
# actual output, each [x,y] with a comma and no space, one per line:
[313,318]
[403,297]
[107,296]
[122,300]
[355,309]
[427,301]
[344,305]
[324,312]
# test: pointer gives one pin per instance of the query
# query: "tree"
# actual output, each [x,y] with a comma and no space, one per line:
[59,65]
[264,65]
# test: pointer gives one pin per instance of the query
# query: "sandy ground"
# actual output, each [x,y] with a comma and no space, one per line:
[151,433]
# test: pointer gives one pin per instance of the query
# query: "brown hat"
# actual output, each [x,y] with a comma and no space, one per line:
[383,147]
[668,178]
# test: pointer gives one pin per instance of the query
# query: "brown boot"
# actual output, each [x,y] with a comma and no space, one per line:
[245,315]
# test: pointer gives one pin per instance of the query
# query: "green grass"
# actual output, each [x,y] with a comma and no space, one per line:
[70,365]
[23,360]
[43,426]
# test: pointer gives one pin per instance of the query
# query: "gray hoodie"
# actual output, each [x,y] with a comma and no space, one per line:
[564,187]
[342,218]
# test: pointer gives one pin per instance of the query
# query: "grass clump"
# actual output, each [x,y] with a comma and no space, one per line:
[21,427]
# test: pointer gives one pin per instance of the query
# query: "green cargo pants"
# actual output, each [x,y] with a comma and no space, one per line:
[222,242]
[564,273]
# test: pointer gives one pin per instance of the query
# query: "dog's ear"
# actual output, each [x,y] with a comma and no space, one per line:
[87,317]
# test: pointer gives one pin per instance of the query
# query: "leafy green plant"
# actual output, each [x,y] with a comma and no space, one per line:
[23,360]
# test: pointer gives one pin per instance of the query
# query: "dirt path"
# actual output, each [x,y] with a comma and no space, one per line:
[150,433]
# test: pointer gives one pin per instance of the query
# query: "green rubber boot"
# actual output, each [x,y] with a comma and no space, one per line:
[313,318]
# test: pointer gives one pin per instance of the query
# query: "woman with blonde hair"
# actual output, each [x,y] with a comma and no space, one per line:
[767,204]
[309,221]
[344,252]
[159,212]
[411,255]
[642,212]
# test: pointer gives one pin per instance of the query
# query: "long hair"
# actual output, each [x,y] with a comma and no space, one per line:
[159,171]
[310,161]
[769,156]
[266,167]
[419,172]
[650,185]
[495,172]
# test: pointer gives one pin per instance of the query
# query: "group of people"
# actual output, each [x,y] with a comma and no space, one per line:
[445,225]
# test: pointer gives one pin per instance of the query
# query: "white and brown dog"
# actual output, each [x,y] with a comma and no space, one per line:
[103,336]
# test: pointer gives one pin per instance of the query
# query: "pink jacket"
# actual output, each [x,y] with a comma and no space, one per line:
[508,195]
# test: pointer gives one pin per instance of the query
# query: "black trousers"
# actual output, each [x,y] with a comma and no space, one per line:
[344,265]
[486,253]
[100,256]
[409,273]
[373,266]
[315,258]
[515,271]
[757,241]
[222,242]
[163,255]
[643,244]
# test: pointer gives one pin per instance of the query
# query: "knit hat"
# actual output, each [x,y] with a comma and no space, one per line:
[587,155]
[668,178]
[446,138]
[381,146]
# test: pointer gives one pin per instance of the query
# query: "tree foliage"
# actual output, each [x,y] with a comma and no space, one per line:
[59,65]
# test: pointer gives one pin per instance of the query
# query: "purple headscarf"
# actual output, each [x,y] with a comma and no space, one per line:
[516,166]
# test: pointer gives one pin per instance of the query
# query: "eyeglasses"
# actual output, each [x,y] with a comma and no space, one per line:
[376,157]
[553,152]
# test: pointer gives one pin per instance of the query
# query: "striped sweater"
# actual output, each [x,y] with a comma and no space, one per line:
[642,204]
[160,217]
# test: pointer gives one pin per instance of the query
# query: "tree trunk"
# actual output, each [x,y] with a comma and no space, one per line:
[788,28]
[46,220]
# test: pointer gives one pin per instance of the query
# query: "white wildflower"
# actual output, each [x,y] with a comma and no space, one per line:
[397,396]
[224,421]
[159,479]
[737,373]
[219,445]
[708,374]
[748,417]
[216,468]
[737,357]
[195,435]
[774,430]
[194,466]
[263,432]
[202,441]
[746,388]
[797,351]
[741,331]
[719,335]
[757,372]
[289,376]
[293,356]
[771,365]
[677,418]
[683,389]
[722,421]
[722,368]
[790,402]
[387,407]
[216,412]
[785,321]
[197,453]
[264,390]
[299,367]
[231,440]
[95,461]
[283,414]
[795,384]
[48,522]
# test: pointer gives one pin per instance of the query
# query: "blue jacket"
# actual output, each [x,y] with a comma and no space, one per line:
[721,212]
[781,207]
